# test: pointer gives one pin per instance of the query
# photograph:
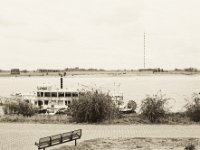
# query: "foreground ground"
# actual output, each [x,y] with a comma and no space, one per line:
[135,143]
[22,136]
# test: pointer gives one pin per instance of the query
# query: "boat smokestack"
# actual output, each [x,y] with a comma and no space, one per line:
[61,82]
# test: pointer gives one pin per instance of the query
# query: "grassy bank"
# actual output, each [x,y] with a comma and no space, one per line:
[135,143]
[171,119]
[43,119]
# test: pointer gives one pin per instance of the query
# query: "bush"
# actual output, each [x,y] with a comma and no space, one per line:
[193,108]
[132,105]
[93,106]
[154,107]
[191,69]
[190,147]
[19,107]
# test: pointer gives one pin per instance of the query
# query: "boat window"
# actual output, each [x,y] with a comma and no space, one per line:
[61,94]
[54,94]
[67,94]
[40,103]
[47,94]
[74,94]
[60,102]
[53,101]
[39,94]
[46,102]
[66,103]
[69,102]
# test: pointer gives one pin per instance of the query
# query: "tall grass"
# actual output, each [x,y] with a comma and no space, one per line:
[20,108]
[193,108]
[154,107]
[93,106]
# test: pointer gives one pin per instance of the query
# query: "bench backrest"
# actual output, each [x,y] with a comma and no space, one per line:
[59,139]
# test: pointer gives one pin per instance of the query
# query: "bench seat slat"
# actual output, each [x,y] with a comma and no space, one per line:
[44,142]
[67,136]
[56,139]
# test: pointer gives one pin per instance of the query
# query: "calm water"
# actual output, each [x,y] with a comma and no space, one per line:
[176,87]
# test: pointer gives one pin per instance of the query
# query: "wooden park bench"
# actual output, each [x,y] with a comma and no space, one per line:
[59,139]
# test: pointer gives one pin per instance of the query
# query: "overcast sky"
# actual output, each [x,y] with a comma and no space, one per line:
[99,33]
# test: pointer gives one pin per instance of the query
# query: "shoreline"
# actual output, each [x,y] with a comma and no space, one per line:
[100,76]
[103,74]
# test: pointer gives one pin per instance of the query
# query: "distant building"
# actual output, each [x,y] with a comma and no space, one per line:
[15,72]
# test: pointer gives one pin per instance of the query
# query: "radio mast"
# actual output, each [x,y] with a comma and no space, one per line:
[144,50]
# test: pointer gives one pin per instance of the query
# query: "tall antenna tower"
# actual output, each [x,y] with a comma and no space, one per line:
[144,51]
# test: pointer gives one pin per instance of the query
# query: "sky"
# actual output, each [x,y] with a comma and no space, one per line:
[105,34]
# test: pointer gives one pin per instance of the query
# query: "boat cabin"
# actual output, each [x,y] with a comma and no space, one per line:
[48,97]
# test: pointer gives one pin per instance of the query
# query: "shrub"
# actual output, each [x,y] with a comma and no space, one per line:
[20,108]
[11,107]
[154,107]
[191,69]
[190,147]
[93,106]
[132,105]
[193,108]
[26,109]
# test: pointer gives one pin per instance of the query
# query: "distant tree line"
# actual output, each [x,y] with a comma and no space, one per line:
[48,70]
[152,70]
[69,69]
[187,69]
[82,69]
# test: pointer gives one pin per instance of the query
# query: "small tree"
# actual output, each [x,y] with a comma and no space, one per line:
[93,106]
[154,107]
[193,108]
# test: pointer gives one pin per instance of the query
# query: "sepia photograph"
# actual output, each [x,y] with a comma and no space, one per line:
[99,75]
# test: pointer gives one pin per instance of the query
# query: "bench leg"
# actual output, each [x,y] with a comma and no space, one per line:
[75,145]
[75,142]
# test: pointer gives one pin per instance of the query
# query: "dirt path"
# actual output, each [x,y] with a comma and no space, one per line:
[23,136]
